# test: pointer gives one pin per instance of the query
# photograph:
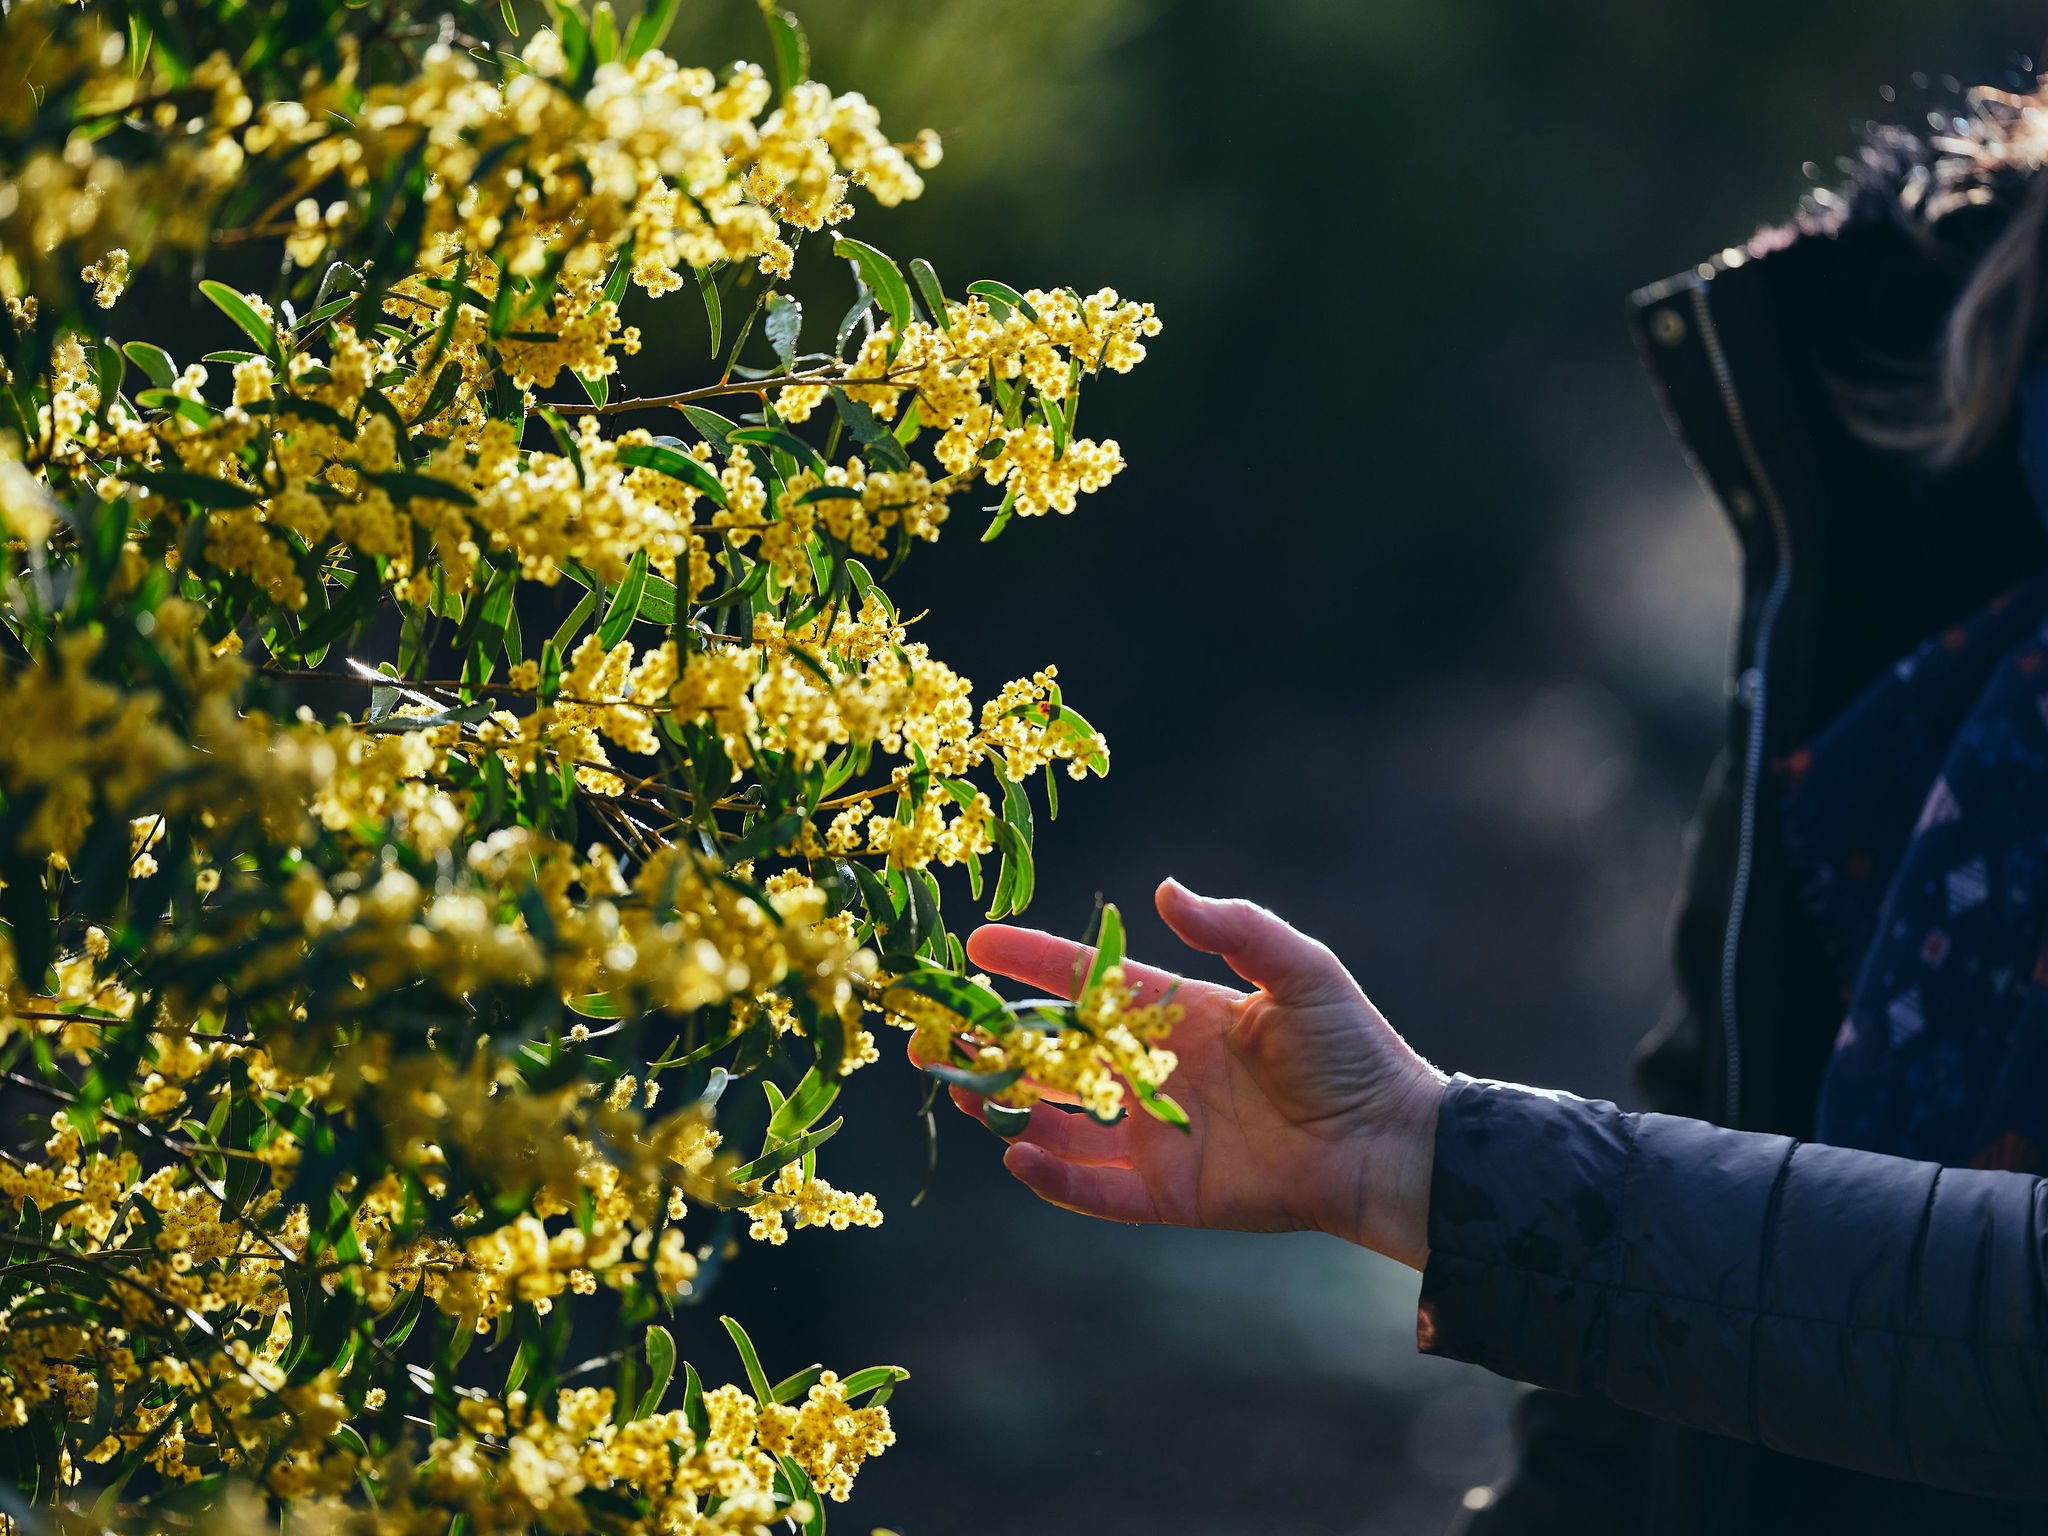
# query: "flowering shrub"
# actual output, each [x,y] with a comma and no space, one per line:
[430,783]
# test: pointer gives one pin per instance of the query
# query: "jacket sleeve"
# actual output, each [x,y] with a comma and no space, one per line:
[1883,1315]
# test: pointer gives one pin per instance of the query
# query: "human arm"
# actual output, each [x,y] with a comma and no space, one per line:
[1863,1310]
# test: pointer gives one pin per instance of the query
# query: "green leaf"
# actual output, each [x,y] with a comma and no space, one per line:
[774,1162]
[800,1111]
[651,28]
[790,1388]
[184,485]
[661,1368]
[756,1377]
[551,660]
[674,463]
[1005,1120]
[1001,520]
[243,313]
[657,603]
[407,485]
[1160,1107]
[577,617]
[1003,298]
[792,49]
[693,1404]
[1077,727]
[934,296]
[869,431]
[785,321]
[781,440]
[796,1482]
[973,1082]
[872,1377]
[714,311]
[154,361]
[442,395]
[863,301]
[1109,947]
[881,274]
[976,1004]
[625,604]
[198,412]
[1017,879]
[244,1174]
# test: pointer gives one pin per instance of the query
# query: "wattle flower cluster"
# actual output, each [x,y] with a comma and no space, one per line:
[426,797]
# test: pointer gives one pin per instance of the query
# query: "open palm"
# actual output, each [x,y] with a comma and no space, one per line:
[1306,1109]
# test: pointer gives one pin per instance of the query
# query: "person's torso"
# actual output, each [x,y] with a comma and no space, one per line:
[1850,556]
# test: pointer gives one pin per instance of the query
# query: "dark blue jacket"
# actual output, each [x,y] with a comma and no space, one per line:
[1741,1333]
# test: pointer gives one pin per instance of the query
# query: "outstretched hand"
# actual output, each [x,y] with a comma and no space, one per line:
[1307,1110]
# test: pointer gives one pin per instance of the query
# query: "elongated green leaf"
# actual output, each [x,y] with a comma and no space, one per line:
[882,275]
[1161,1107]
[1109,947]
[674,463]
[1076,727]
[184,485]
[714,311]
[661,1369]
[1017,879]
[790,1388]
[781,440]
[871,1377]
[651,28]
[657,602]
[792,49]
[869,431]
[1003,298]
[243,313]
[973,1082]
[1001,520]
[406,485]
[154,361]
[625,604]
[796,1483]
[756,1377]
[770,1163]
[442,395]
[551,664]
[970,999]
[927,280]
[800,1111]
[785,321]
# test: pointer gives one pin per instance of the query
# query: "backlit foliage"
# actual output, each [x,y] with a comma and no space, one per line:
[459,826]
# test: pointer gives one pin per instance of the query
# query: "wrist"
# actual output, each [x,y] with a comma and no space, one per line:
[1381,1201]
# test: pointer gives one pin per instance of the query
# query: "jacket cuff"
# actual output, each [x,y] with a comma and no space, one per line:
[1523,1206]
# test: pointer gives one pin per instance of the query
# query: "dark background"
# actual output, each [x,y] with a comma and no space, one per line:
[1406,619]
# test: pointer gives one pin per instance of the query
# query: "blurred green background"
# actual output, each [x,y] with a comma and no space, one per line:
[1406,619]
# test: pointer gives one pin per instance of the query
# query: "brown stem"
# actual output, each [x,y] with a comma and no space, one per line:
[836,374]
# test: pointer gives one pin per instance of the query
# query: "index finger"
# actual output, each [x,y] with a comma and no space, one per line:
[1055,965]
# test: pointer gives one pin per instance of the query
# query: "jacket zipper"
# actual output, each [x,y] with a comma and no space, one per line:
[1752,687]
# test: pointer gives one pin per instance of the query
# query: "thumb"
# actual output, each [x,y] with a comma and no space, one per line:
[1269,953]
